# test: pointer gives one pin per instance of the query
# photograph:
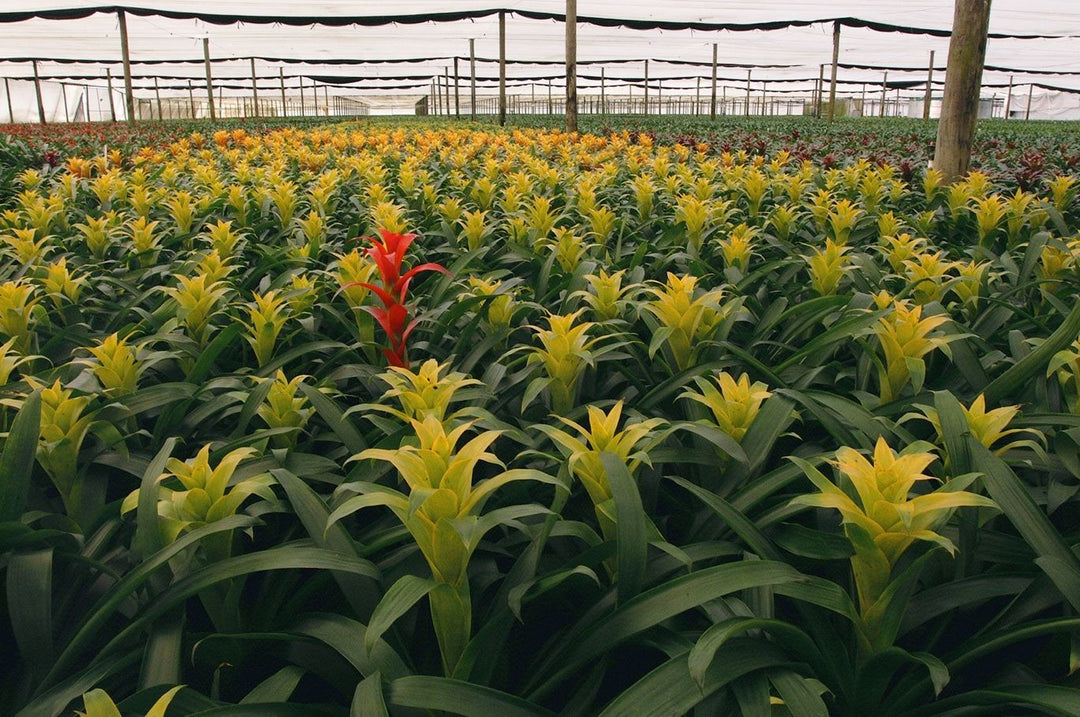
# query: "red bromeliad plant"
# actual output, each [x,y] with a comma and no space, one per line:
[393,315]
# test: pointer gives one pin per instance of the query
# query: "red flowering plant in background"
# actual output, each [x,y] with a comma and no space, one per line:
[393,315]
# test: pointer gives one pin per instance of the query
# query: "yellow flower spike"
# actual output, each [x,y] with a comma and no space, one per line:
[9,361]
[423,393]
[213,267]
[267,315]
[989,213]
[644,193]
[63,429]
[694,215]
[685,317]
[389,216]
[500,309]
[182,211]
[450,210]
[540,216]
[987,427]
[25,246]
[1062,191]
[198,300]
[828,267]
[734,403]
[783,219]
[474,229]
[145,241]
[141,199]
[755,186]
[926,274]
[1066,365]
[582,452]
[901,247]
[884,521]
[842,219]
[968,285]
[115,366]
[351,270]
[604,294]
[283,408]
[17,302]
[602,222]
[905,339]
[569,249]
[564,355]
[738,246]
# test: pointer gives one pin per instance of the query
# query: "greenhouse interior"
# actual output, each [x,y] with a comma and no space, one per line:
[561,358]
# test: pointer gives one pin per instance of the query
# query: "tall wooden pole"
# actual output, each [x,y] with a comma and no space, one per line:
[820,91]
[697,95]
[712,108]
[603,92]
[929,88]
[191,97]
[748,92]
[67,112]
[7,94]
[1008,98]
[884,86]
[254,89]
[112,105]
[502,68]
[835,61]
[472,79]
[646,87]
[457,89]
[209,79]
[125,53]
[37,88]
[963,78]
[301,95]
[446,87]
[157,95]
[1031,93]
[571,66]
[284,104]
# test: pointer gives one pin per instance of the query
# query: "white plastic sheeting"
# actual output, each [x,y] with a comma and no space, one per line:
[156,38]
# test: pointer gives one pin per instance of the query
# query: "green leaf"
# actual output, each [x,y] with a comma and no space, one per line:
[704,650]
[735,520]
[334,417]
[29,606]
[346,636]
[97,703]
[368,699]
[798,694]
[163,656]
[398,600]
[460,698]
[147,539]
[17,459]
[278,687]
[633,527]
[1034,364]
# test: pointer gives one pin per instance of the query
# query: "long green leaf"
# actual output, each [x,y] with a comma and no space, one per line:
[1034,364]
[278,687]
[29,605]
[346,636]
[398,600]
[632,525]
[335,419]
[147,534]
[460,698]
[17,459]
[368,699]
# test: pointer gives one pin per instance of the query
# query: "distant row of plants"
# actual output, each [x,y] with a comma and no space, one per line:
[382,420]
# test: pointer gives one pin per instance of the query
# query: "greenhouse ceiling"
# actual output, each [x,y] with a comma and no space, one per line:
[1034,41]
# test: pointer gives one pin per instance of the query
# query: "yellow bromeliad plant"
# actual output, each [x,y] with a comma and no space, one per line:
[582,452]
[564,353]
[882,520]
[283,408]
[442,512]
[194,493]
[426,392]
[906,337]
[734,403]
[267,315]
[115,365]
[499,310]
[828,266]
[17,304]
[605,294]
[685,316]
[1066,365]
[987,427]
[198,299]
[738,246]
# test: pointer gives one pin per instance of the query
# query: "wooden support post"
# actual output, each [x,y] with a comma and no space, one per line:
[125,53]
[697,95]
[884,86]
[326,99]
[191,98]
[571,66]
[457,89]
[502,68]
[301,78]
[862,102]
[67,112]
[835,61]
[446,89]
[748,92]
[929,89]
[284,103]
[819,91]
[603,92]
[157,96]
[472,79]
[86,95]
[551,102]
[7,94]
[37,89]
[1031,92]
[209,79]
[1008,98]
[254,90]
[712,109]
[112,105]
[438,94]
[963,78]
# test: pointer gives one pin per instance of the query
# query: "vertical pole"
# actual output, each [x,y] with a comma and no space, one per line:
[191,98]
[748,92]
[502,68]
[929,88]
[712,108]
[835,61]
[86,91]
[723,99]
[1027,112]
[646,110]
[281,78]
[963,78]
[7,94]
[446,88]
[301,95]
[551,102]
[571,66]
[326,98]
[112,106]
[254,89]
[209,79]
[37,88]
[697,96]
[438,94]
[862,108]
[457,89]
[472,79]
[603,92]
[819,105]
[125,53]
[67,112]
[884,86]
[157,95]
[1008,98]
